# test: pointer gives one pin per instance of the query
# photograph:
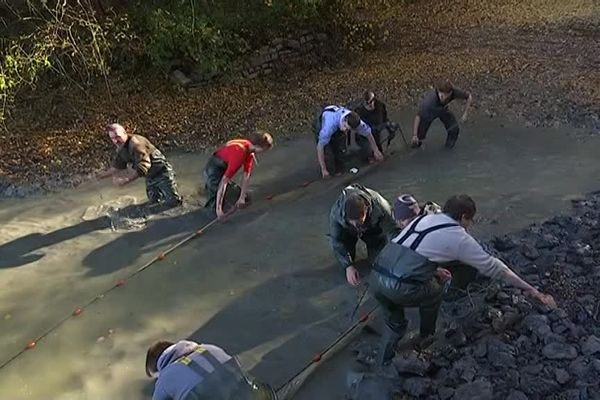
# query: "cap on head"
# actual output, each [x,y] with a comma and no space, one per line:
[404,207]
[153,355]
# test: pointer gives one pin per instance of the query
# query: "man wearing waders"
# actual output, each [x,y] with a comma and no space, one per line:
[331,127]
[358,213]
[435,105]
[226,162]
[190,371]
[409,270]
[145,161]
[374,113]
[406,209]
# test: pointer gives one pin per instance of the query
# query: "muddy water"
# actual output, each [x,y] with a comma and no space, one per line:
[262,285]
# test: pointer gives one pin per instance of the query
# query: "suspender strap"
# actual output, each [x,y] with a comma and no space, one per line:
[427,231]
[411,230]
[421,234]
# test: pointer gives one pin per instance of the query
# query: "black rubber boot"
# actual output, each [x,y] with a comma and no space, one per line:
[389,341]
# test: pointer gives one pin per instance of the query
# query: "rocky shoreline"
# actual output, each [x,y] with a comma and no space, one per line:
[498,345]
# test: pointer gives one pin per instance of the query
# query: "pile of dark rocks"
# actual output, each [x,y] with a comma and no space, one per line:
[496,343]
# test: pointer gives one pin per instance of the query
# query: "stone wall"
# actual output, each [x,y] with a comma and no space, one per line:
[284,53]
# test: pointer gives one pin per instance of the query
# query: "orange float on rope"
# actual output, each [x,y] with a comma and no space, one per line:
[269,197]
[161,256]
[317,357]
[77,311]
[199,232]
[364,318]
[120,283]
[306,183]
[30,345]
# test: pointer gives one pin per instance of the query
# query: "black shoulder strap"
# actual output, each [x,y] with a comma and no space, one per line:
[411,230]
[421,234]
[427,231]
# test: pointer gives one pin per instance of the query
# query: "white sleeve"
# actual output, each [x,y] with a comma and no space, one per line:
[471,253]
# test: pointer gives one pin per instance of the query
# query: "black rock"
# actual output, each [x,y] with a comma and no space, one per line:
[516,395]
[529,251]
[478,390]
[411,364]
[419,387]
[504,243]
[445,393]
[535,385]
[591,345]
[582,368]
[536,324]
[562,376]
[559,351]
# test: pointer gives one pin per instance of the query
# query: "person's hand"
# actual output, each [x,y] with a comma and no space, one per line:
[543,298]
[443,274]
[241,203]
[415,140]
[325,174]
[120,181]
[378,155]
[352,276]
[463,118]
[220,213]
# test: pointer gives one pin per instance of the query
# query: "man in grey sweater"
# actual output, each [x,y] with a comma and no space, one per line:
[408,272]
[358,213]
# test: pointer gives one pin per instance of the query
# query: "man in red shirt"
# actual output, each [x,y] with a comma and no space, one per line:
[226,162]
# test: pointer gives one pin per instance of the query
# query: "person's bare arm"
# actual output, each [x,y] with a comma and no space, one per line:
[467,108]
[416,127]
[376,153]
[321,159]
[220,195]
[245,185]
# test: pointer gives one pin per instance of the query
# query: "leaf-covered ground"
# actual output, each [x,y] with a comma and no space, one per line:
[534,60]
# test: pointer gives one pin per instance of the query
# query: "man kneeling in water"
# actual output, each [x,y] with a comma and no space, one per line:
[190,371]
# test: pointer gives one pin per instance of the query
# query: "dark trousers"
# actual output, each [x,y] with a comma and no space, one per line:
[161,187]
[426,296]
[213,173]
[449,121]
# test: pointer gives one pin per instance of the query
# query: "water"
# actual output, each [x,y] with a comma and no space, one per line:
[263,285]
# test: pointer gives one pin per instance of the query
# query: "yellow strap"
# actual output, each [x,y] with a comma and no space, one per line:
[185,360]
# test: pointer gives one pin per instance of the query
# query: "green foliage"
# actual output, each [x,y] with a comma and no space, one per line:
[75,41]
[359,25]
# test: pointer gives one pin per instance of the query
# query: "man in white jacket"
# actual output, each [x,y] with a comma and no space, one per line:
[409,271]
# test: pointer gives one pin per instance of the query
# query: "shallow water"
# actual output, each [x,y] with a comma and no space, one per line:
[263,285]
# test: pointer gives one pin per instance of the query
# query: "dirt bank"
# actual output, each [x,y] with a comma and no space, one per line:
[532,61]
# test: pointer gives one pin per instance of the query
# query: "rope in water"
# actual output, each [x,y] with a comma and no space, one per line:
[161,256]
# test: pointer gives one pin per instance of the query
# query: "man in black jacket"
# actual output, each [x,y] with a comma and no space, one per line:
[374,112]
[358,213]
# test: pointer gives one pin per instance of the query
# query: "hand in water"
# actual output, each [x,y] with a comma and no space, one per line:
[220,213]
[241,203]
[120,181]
[378,155]
[325,174]
[352,276]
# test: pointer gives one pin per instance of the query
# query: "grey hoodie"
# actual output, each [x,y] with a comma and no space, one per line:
[379,220]
[175,380]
